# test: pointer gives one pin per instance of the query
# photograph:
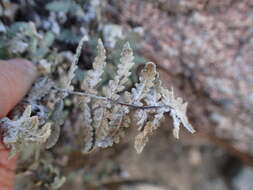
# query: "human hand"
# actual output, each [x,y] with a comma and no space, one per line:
[16,77]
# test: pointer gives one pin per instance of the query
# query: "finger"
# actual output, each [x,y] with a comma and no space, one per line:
[7,169]
[16,77]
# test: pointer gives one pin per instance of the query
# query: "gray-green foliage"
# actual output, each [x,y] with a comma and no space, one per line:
[22,38]
[65,6]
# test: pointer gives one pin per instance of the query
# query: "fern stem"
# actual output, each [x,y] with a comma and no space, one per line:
[80,93]
[110,100]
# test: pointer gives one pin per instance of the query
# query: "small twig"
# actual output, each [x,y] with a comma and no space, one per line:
[110,100]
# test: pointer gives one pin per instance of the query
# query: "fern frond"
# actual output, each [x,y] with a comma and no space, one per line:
[88,129]
[177,111]
[106,116]
[149,91]
[114,115]
[94,76]
[73,66]
[117,84]
[21,133]
[141,90]
[57,118]
[89,85]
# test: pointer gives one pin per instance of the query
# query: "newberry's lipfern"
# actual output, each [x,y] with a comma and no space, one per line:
[106,111]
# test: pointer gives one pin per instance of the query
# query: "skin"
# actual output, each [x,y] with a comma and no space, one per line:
[16,78]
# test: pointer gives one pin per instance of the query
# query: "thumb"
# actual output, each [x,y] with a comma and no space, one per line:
[16,77]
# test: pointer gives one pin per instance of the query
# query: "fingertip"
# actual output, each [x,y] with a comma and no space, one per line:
[16,77]
[7,169]
[25,66]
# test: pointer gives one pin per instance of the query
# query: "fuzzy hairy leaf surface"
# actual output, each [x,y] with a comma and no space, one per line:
[94,76]
[71,74]
[19,134]
[107,113]
[152,93]
[89,85]
[117,84]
